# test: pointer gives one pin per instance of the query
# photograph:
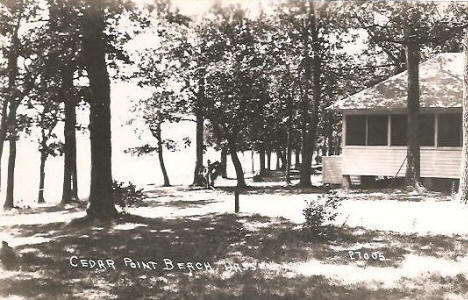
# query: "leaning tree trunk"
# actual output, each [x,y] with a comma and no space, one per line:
[40,197]
[158,136]
[413,151]
[236,162]
[101,203]
[463,188]
[197,179]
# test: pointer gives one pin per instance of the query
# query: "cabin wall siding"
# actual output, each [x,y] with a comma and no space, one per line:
[385,161]
[332,169]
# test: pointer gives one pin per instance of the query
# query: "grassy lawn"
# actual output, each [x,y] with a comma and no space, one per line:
[245,256]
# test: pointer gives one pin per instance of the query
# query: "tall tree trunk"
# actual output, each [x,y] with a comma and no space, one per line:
[306,147]
[73,155]
[337,145]
[69,133]
[463,188]
[268,156]
[329,135]
[12,74]
[224,148]
[289,138]
[224,162]
[297,158]
[317,82]
[262,160]
[40,197]
[236,162]
[331,146]
[310,121]
[3,131]
[74,178]
[101,203]
[324,147]
[9,200]
[413,151]
[161,157]
[288,159]
[252,160]
[198,180]
[282,156]
[278,159]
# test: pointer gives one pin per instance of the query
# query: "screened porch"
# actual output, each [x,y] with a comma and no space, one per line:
[436,129]
[375,144]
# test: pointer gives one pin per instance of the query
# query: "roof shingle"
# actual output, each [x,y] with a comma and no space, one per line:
[440,83]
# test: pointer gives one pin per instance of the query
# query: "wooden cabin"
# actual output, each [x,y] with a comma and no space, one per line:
[374,132]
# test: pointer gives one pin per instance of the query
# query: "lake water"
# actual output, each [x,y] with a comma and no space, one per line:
[141,170]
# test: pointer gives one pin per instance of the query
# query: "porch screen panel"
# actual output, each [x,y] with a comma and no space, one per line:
[426,129]
[377,130]
[450,130]
[355,130]
[399,129]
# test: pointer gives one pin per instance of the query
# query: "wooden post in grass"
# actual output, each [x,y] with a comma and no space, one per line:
[236,201]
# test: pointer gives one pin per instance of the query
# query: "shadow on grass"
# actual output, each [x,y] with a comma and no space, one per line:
[370,193]
[181,204]
[274,190]
[47,208]
[46,273]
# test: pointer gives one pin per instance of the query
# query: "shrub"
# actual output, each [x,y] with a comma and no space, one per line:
[258,178]
[126,195]
[319,213]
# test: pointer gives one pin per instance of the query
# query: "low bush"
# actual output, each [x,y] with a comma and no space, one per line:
[258,178]
[320,213]
[126,195]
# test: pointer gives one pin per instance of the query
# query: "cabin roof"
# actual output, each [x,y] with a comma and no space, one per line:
[440,83]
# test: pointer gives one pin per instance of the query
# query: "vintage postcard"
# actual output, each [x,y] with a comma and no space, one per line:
[241,149]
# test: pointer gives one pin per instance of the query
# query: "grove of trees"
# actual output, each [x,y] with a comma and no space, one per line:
[258,80]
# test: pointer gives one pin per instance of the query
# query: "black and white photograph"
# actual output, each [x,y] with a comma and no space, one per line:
[233,149]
